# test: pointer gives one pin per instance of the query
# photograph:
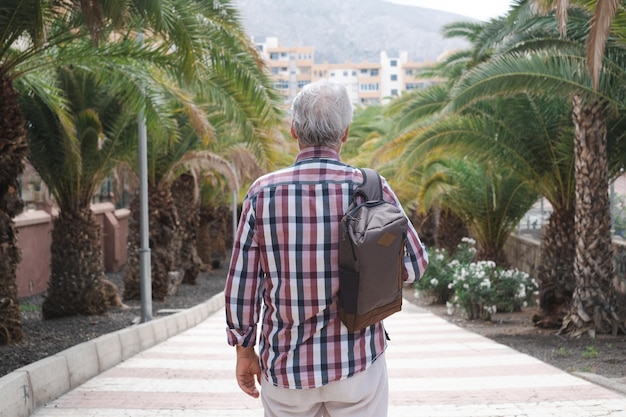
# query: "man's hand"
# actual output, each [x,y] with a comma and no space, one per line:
[248,367]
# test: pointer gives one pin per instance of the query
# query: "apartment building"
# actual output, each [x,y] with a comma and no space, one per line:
[367,82]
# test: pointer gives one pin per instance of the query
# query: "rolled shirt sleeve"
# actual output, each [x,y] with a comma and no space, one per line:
[243,283]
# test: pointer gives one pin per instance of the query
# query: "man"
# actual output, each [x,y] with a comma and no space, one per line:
[285,258]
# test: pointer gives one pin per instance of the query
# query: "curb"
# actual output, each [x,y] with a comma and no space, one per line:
[28,388]
[613,384]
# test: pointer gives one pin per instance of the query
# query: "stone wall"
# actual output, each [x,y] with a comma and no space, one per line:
[524,253]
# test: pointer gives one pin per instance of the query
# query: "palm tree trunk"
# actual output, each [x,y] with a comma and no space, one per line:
[426,225]
[213,238]
[204,234]
[188,208]
[593,308]
[76,271]
[165,244]
[13,150]
[450,230]
[555,273]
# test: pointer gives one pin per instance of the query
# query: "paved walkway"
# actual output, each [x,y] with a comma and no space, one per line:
[436,369]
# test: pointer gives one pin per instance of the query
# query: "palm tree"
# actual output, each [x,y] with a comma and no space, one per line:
[529,133]
[73,163]
[367,130]
[31,28]
[490,199]
[593,307]
[548,65]
[177,30]
[167,161]
[230,97]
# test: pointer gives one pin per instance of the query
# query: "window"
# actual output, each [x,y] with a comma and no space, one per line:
[345,73]
[374,72]
[302,83]
[394,77]
[368,87]
[415,86]
[393,63]
[274,56]
[275,71]
[370,101]
[363,71]
[394,92]
[408,72]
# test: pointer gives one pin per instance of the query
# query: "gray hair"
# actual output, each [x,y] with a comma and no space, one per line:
[321,114]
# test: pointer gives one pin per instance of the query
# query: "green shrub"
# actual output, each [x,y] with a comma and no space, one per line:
[514,289]
[473,291]
[437,277]
[441,266]
[480,289]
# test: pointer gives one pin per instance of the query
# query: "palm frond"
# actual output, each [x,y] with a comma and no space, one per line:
[598,35]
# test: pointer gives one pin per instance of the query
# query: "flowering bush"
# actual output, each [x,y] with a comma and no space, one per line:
[465,251]
[482,288]
[515,289]
[437,277]
[473,291]
[441,266]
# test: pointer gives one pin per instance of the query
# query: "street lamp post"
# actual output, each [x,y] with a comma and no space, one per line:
[145,270]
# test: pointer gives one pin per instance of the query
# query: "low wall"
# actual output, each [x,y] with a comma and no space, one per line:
[114,228]
[34,239]
[524,253]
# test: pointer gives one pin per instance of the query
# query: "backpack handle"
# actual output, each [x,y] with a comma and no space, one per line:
[372,187]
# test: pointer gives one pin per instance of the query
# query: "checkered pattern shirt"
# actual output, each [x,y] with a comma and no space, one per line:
[285,262]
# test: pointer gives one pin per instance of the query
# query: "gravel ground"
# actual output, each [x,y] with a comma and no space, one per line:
[605,356]
[43,338]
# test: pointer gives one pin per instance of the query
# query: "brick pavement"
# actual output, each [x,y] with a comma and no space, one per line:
[436,369]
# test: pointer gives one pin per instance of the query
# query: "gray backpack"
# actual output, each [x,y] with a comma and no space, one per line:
[371,248]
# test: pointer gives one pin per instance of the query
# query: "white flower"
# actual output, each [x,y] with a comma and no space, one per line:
[434,282]
[449,308]
[521,293]
[491,310]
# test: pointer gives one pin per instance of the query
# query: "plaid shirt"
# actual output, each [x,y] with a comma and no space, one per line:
[285,256]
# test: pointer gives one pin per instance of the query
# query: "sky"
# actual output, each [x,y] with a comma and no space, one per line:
[478,9]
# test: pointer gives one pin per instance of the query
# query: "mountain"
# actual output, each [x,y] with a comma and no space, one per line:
[351,30]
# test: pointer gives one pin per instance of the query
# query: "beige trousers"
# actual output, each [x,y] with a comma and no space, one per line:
[365,394]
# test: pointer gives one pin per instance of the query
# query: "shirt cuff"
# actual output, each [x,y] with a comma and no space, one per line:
[244,338]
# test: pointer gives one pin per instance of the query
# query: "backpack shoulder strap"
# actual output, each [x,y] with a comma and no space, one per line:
[372,187]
